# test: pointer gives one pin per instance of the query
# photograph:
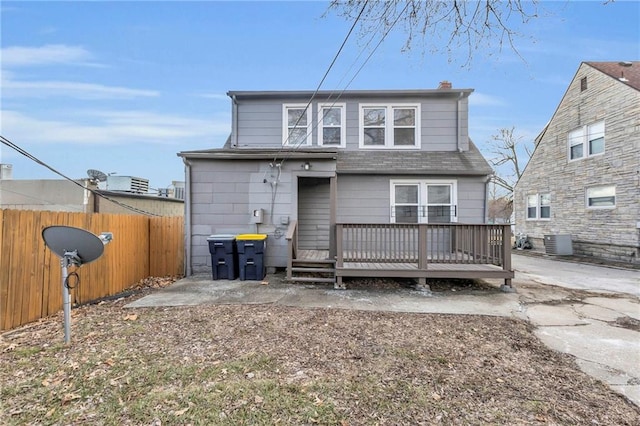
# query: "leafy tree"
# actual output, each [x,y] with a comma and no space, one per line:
[459,24]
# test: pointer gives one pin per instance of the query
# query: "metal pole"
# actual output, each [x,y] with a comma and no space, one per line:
[66,300]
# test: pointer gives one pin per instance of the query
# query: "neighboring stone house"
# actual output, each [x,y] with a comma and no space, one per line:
[583,178]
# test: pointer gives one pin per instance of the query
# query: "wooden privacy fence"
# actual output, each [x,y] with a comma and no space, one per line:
[30,273]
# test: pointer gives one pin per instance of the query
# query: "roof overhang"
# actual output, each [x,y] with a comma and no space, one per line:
[255,154]
[360,94]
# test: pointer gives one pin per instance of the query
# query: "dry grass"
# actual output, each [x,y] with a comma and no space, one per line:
[278,365]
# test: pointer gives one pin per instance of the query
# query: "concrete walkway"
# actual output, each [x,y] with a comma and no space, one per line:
[591,312]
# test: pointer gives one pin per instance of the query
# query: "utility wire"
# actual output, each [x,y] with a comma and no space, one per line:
[386,33]
[12,145]
[324,77]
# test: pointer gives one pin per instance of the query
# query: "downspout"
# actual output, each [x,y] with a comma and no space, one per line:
[187,217]
[486,199]
[458,121]
[234,122]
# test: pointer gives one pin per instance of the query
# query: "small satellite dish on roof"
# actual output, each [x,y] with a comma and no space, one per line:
[97,175]
[74,246]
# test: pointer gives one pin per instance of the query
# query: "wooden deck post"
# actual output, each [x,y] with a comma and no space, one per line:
[333,202]
[506,256]
[339,285]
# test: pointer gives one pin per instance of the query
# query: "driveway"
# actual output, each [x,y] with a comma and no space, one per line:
[589,311]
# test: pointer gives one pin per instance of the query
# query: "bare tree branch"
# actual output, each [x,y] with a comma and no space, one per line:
[467,24]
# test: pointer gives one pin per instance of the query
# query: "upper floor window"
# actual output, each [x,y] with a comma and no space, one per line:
[296,129]
[538,206]
[586,141]
[414,201]
[601,197]
[331,125]
[390,126]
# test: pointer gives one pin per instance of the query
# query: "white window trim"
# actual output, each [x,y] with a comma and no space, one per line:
[343,124]
[285,123]
[586,198]
[538,196]
[388,139]
[586,138]
[422,196]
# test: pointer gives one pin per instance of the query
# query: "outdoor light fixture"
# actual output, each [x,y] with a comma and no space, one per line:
[306,166]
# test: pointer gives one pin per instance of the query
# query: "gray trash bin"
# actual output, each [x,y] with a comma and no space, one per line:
[224,256]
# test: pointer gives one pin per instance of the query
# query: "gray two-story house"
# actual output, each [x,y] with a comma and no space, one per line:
[386,178]
[581,186]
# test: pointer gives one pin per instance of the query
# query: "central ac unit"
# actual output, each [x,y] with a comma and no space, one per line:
[558,244]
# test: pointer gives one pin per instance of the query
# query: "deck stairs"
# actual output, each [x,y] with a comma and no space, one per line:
[313,270]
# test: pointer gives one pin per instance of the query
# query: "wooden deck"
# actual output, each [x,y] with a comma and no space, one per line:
[416,251]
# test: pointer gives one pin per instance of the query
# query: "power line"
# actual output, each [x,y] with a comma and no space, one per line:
[324,77]
[12,145]
[386,33]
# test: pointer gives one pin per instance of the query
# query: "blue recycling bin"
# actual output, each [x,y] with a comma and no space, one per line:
[224,257]
[251,248]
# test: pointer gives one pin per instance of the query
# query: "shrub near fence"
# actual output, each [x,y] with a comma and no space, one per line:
[30,273]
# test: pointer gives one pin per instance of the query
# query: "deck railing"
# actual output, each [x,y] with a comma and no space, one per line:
[424,243]
[292,246]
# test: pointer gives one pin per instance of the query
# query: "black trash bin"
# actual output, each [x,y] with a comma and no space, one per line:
[224,257]
[251,248]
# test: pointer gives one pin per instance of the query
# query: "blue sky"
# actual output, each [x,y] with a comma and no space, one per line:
[123,86]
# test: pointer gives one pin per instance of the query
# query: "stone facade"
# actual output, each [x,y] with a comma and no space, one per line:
[606,232]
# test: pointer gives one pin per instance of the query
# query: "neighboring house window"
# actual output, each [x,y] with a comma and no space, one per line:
[532,206]
[545,206]
[390,126]
[586,141]
[423,202]
[601,197]
[297,125]
[331,125]
[583,84]
[538,206]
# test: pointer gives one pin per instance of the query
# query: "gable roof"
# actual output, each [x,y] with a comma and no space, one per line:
[626,72]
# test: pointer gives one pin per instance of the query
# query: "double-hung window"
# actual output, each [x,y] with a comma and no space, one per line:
[414,201]
[296,129]
[601,197]
[394,126]
[539,206]
[586,141]
[331,125]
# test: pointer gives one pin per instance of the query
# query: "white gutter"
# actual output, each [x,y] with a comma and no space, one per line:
[187,217]
[234,122]
[458,121]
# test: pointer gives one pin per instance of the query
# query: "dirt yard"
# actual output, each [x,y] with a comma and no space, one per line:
[275,365]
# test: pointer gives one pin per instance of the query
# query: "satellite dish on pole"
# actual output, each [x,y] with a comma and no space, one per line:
[97,175]
[74,246]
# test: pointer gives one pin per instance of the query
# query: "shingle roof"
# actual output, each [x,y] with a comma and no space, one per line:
[626,72]
[414,162]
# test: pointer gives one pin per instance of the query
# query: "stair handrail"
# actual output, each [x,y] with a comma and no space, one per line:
[292,246]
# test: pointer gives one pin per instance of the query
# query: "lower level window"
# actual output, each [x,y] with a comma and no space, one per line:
[538,206]
[601,197]
[423,202]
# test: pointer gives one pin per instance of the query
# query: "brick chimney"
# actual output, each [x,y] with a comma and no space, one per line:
[444,84]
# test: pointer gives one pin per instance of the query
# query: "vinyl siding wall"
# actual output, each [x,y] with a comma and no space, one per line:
[260,122]
[225,193]
[367,198]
